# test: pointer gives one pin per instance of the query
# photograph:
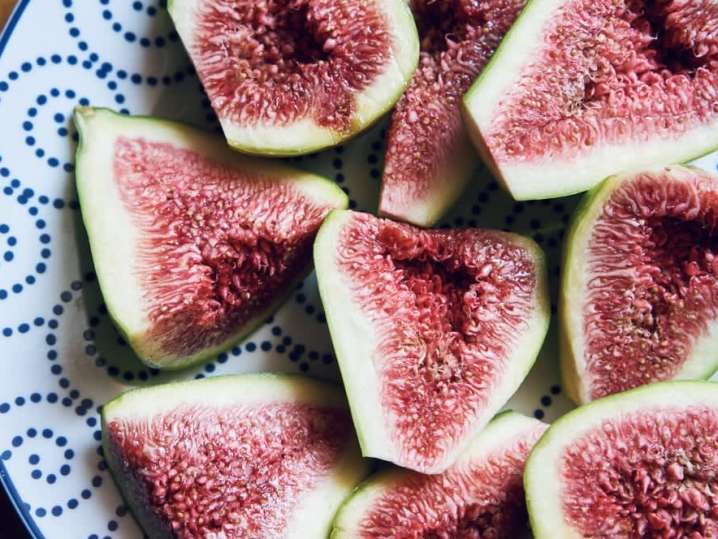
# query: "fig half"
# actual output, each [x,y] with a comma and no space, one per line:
[429,157]
[583,89]
[194,245]
[639,294]
[434,330]
[638,464]
[481,495]
[260,455]
[287,77]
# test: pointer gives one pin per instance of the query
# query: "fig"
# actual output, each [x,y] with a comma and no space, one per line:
[636,464]
[639,297]
[583,89]
[194,245]
[480,495]
[433,330]
[261,455]
[288,77]
[429,157]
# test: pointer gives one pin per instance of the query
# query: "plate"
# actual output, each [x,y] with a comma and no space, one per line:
[61,356]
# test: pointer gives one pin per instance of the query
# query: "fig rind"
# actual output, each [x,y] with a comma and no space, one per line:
[457,171]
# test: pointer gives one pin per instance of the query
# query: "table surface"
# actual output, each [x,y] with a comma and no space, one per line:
[10,525]
[5,9]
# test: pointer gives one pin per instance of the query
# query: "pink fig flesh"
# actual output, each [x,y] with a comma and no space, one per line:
[277,61]
[481,496]
[649,474]
[217,244]
[651,288]
[456,319]
[233,472]
[609,72]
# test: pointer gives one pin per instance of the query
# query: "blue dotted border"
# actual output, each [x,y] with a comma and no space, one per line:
[61,442]
[25,197]
[71,60]
[28,125]
[131,37]
[136,77]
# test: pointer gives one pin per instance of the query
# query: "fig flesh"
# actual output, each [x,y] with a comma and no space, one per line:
[583,89]
[481,495]
[269,456]
[429,157]
[639,294]
[194,245]
[287,77]
[636,464]
[433,330]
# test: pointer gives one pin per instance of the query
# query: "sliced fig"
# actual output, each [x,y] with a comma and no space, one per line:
[639,299]
[433,330]
[638,464]
[481,495]
[193,244]
[429,157]
[583,89]
[287,77]
[268,456]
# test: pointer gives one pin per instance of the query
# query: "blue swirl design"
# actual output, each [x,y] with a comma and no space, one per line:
[11,241]
[170,39]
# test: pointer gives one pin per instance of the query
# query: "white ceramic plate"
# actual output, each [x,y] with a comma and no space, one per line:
[59,354]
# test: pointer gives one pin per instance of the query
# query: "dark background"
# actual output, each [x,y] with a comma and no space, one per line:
[10,525]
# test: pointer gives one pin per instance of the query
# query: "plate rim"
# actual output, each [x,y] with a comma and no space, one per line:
[5,479]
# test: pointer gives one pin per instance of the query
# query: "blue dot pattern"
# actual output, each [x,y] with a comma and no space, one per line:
[67,357]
